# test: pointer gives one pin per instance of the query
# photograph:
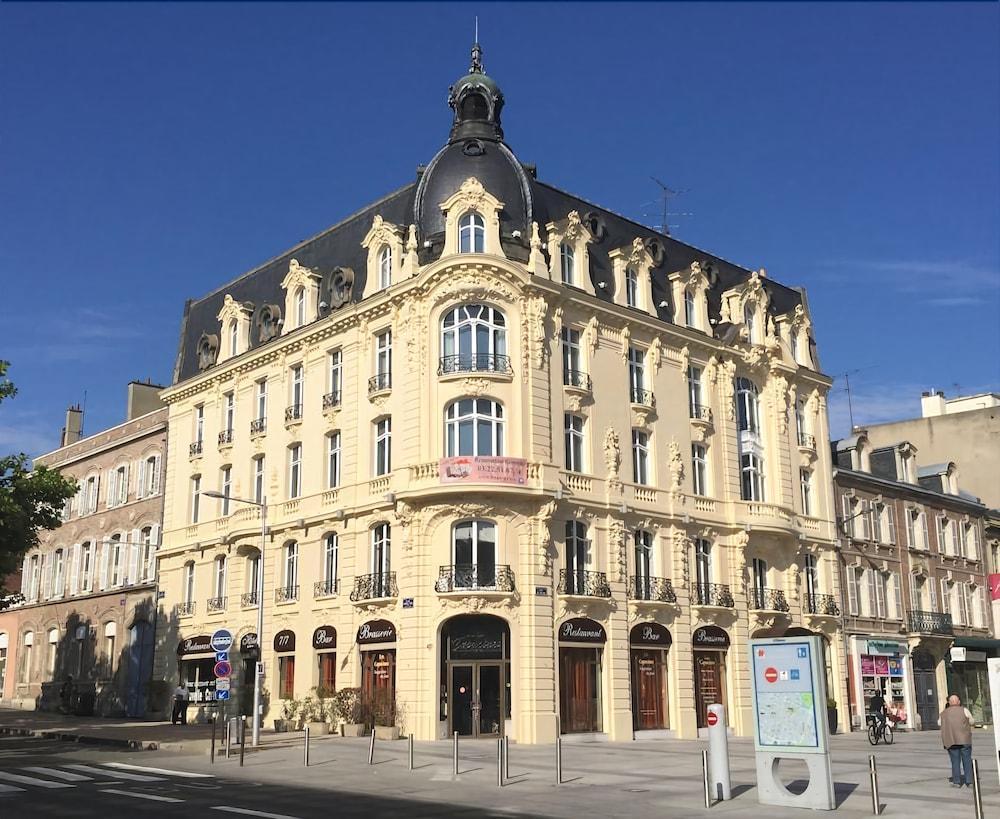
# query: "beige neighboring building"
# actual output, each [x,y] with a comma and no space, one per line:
[89,609]
[530,467]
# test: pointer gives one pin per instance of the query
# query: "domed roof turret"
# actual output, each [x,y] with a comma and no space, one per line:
[477,102]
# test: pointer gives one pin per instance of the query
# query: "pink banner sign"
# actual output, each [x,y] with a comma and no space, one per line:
[867,665]
[882,666]
[995,587]
[483,469]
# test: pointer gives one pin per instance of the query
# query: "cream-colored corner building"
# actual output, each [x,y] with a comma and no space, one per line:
[529,466]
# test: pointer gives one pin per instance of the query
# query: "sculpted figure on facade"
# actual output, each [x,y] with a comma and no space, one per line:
[543,536]
[592,332]
[676,466]
[612,459]
[618,548]
[728,375]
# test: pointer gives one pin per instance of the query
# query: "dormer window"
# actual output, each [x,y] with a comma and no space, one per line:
[474,107]
[690,310]
[631,287]
[750,321]
[472,233]
[300,307]
[385,267]
[567,263]
[793,344]
[234,338]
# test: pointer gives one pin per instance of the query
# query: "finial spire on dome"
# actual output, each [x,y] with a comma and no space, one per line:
[477,54]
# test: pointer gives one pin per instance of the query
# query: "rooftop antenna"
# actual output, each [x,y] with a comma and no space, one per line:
[847,386]
[667,194]
[83,413]
[477,29]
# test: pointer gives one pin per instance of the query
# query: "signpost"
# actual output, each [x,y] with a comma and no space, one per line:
[222,641]
[790,722]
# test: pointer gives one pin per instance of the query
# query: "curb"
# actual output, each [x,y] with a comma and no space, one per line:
[83,739]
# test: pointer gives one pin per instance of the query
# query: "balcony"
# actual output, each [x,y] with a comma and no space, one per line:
[194,449]
[479,363]
[185,609]
[577,379]
[293,414]
[701,413]
[825,604]
[286,594]
[258,426]
[379,586]
[807,441]
[331,400]
[326,588]
[762,599]
[216,604]
[249,600]
[643,398]
[713,594]
[931,622]
[651,589]
[379,383]
[226,437]
[465,577]
[583,584]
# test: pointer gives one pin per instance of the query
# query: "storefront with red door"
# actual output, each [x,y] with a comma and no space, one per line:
[581,655]
[284,653]
[711,647]
[649,644]
[377,642]
[324,643]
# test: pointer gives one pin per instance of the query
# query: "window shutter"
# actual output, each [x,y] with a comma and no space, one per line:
[26,578]
[46,576]
[155,490]
[866,520]
[848,523]
[984,617]
[897,597]
[915,604]
[972,545]
[124,491]
[140,483]
[879,594]
[136,557]
[109,501]
[933,593]
[105,555]
[151,567]
[871,592]
[852,590]
[923,527]
[963,601]
[74,569]
[945,601]
[890,518]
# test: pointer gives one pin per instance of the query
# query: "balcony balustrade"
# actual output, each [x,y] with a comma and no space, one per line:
[463,577]
[376,586]
[583,583]
[479,363]
[651,589]
[713,594]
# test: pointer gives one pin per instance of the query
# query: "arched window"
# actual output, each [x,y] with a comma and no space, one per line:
[474,554]
[234,337]
[474,426]
[471,233]
[26,647]
[750,320]
[50,662]
[110,633]
[631,287]
[567,263]
[385,268]
[747,401]
[300,307]
[473,338]
[690,311]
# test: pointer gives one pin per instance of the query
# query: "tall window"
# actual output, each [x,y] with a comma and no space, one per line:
[699,468]
[27,644]
[149,476]
[751,477]
[220,577]
[253,577]
[474,426]
[147,571]
[805,488]
[383,446]
[695,402]
[385,268]
[631,287]
[300,307]
[286,677]
[116,560]
[227,486]
[189,582]
[195,498]
[199,423]
[690,311]
[91,495]
[291,568]
[473,338]
[759,570]
[336,375]
[331,549]
[381,562]
[703,567]
[297,390]
[58,580]
[474,551]
[750,320]
[294,470]
[567,263]
[812,581]
[86,567]
[383,359]
[234,338]
[747,402]
[262,399]
[50,660]
[258,479]
[642,542]
[637,374]
[577,556]
[121,485]
[333,459]
[574,442]
[572,369]
[229,412]
[640,457]
[471,233]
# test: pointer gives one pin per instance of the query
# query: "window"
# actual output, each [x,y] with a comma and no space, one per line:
[750,320]
[148,569]
[50,662]
[26,646]
[199,423]
[91,495]
[805,486]
[695,403]
[149,477]
[759,591]
[229,413]
[385,268]
[195,497]
[115,560]
[189,582]
[640,457]
[291,569]
[35,575]
[880,593]
[747,406]
[258,479]
[381,562]
[897,597]
[227,486]
[970,535]
[471,233]
[383,360]
[3,661]
[631,287]
[473,338]
[297,391]
[574,442]
[330,556]
[333,459]
[220,577]
[253,578]
[286,676]
[852,591]
[812,581]
[58,580]
[577,557]
[637,374]
[801,430]
[793,344]
[642,543]
[699,469]
[942,524]
[234,338]
[703,567]
[474,426]
[262,400]
[567,263]
[294,470]
[300,307]
[474,552]
[752,477]
[121,485]
[572,369]
[336,376]
[86,567]
[383,446]
[690,310]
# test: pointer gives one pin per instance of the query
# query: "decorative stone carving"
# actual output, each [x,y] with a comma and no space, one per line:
[655,353]
[626,336]
[574,226]
[779,392]
[557,322]
[618,548]
[592,332]
[711,370]
[727,373]
[682,555]
[475,386]
[685,360]
[612,458]
[537,308]
[469,284]
[411,262]
[675,465]
[796,571]
[543,536]
[208,350]
[536,259]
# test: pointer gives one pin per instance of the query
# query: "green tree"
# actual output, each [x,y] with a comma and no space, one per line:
[30,499]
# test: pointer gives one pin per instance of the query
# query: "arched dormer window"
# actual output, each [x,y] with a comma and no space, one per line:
[234,338]
[750,321]
[690,308]
[473,339]
[747,406]
[631,287]
[471,233]
[384,267]
[474,426]
[300,307]
[567,263]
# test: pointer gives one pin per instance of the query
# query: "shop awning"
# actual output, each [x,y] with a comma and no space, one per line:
[982,643]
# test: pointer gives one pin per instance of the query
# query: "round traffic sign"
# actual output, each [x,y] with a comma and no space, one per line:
[771,674]
[222,640]
[223,669]
[712,718]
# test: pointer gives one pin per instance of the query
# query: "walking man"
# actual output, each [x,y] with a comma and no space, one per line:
[179,713]
[956,736]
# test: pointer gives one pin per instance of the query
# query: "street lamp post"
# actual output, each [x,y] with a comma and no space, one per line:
[259,675]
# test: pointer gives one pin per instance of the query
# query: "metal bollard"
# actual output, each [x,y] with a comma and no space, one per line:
[873,773]
[305,748]
[499,763]
[243,738]
[454,754]
[410,754]
[704,776]
[506,757]
[977,794]
[371,749]
[228,737]
[213,740]
[559,778]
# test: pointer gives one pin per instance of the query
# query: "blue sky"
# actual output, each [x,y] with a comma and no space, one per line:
[152,152]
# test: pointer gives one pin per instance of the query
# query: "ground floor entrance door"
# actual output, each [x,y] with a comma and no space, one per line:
[580,690]
[649,689]
[925,688]
[476,693]
[709,682]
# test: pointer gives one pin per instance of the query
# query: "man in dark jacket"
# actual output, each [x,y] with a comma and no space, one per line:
[956,736]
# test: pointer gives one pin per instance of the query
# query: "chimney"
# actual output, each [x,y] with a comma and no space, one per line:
[932,404]
[143,397]
[73,430]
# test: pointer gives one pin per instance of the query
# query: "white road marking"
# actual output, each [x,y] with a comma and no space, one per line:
[249,812]
[10,789]
[168,772]
[114,774]
[66,776]
[151,796]
[30,780]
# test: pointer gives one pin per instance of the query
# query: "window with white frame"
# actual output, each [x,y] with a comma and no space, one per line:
[110,637]
[703,568]
[333,459]
[253,577]
[940,526]
[383,360]
[471,233]
[811,575]
[27,643]
[970,535]
[880,593]
[640,457]
[229,413]
[383,446]
[385,268]
[567,263]
[381,560]
[261,403]
[258,479]
[86,580]
[758,573]
[189,582]
[751,477]
[805,489]
[50,661]
[473,339]
[195,498]
[199,423]
[474,426]
[336,376]
[690,308]
[295,470]
[699,469]
[221,572]
[946,589]
[637,375]
[331,556]
[577,556]
[300,307]
[91,495]
[225,505]
[896,611]
[121,485]
[290,565]
[750,322]
[573,428]
[148,569]
[747,406]
[694,384]
[234,338]
[116,560]
[642,546]
[149,476]
[474,554]
[58,578]
[572,361]
[631,287]
[298,390]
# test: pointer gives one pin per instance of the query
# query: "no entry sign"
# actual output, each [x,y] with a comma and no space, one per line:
[771,674]
[712,718]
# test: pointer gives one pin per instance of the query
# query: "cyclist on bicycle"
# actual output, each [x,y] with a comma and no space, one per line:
[877,706]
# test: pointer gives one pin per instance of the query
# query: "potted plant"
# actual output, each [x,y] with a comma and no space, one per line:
[831,714]
[347,703]
[289,708]
[384,716]
[313,715]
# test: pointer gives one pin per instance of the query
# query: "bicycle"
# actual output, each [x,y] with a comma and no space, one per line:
[879,730]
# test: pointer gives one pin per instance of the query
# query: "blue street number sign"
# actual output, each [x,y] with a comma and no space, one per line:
[222,640]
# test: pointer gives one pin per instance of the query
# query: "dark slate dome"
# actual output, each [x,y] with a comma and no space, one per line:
[475,148]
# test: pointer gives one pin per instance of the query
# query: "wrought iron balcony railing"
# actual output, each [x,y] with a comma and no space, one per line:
[644,397]
[286,594]
[931,622]
[249,600]
[807,441]
[258,426]
[653,589]
[326,588]
[377,383]
[185,609]
[374,586]
[216,604]
[225,437]
[577,378]
[293,413]
[466,577]
[822,604]
[479,363]
[767,599]
[194,448]
[713,594]
[699,412]
[583,583]
[331,400]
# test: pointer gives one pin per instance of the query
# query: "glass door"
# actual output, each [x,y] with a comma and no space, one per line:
[709,676]
[461,697]
[490,689]
[580,692]
[648,689]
